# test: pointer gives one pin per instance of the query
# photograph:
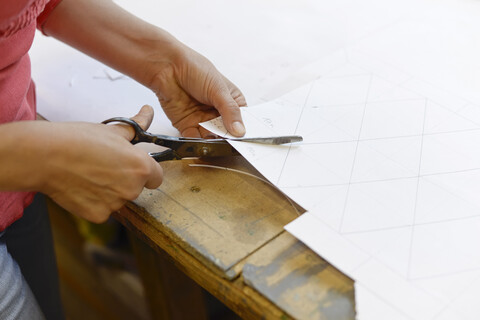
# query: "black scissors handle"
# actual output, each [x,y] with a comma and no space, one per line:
[143,136]
[140,134]
[179,147]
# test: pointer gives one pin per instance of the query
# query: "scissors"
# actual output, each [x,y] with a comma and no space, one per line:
[179,147]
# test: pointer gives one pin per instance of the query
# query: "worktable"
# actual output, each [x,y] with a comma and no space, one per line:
[224,230]
[221,228]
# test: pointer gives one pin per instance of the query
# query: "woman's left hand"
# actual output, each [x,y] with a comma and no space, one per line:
[191,90]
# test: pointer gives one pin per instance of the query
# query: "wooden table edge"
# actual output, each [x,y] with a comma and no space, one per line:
[238,296]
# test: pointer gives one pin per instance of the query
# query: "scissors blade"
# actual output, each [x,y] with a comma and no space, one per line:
[198,147]
[270,140]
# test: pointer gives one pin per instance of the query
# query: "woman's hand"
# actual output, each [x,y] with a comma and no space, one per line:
[98,169]
[191,90]
[188,86]
[89,169]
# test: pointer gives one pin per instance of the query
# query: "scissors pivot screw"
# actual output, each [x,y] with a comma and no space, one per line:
[205,151]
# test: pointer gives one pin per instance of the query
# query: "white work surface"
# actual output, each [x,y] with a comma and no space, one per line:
[391,76]
[256,44]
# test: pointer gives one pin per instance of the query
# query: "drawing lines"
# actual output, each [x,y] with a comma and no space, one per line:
[402,170]
[296,129]
[416,194]
[418,176]
[355,155]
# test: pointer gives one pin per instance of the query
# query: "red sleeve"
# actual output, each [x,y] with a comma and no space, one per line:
[43,17]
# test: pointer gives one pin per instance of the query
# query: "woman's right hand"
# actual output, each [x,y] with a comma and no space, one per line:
[89,169]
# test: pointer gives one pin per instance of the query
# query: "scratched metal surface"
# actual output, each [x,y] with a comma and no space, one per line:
[218,216]
[299,281]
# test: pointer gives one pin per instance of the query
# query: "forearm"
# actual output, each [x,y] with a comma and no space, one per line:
[21,155]
[110,34]
[89,169]
[189,87]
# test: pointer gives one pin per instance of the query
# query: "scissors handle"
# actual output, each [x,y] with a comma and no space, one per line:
[140,134]
[144,136]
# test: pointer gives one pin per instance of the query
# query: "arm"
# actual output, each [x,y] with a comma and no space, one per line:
[88,176]
[188,86]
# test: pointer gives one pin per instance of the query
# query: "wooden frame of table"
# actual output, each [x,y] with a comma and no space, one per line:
[224,230]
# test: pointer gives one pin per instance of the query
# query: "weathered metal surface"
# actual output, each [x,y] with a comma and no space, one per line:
[300,282]
[218,216]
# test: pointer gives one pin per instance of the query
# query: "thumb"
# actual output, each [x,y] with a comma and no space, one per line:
[156,175]
[229,110]
[144,117]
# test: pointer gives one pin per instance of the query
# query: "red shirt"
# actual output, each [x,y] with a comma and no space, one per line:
[18,19]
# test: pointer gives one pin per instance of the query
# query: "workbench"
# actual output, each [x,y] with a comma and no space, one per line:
[224,230]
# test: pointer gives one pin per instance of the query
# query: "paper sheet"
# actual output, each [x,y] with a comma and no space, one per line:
[389,172]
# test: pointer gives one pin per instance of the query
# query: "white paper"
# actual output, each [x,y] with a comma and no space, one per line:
[389,172]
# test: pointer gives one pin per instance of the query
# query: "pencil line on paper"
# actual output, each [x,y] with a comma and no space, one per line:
[412,231]
[392,137]
[296,128]
[355,153]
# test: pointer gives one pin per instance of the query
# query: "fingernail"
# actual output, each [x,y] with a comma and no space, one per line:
[238,129]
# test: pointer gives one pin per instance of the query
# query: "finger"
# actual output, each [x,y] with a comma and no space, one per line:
[239,98]
[236,94]
[191,132]
[144,117]
[156,177]
[205,134]
[189,125]
[229,110]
